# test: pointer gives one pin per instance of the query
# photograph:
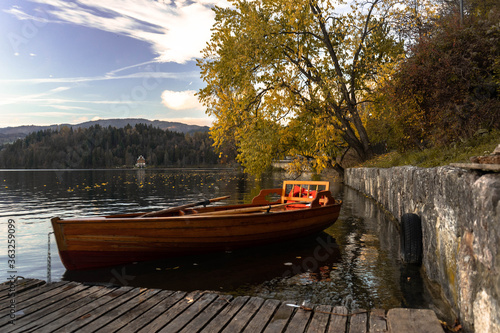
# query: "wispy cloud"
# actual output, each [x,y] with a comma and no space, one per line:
[139,75]
[176,30]
[5,100]
[69,107]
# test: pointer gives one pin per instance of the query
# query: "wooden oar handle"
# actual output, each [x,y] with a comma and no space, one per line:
[178,208]
[247,210]
[219,198]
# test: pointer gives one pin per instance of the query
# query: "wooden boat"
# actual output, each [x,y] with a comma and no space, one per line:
[300,208]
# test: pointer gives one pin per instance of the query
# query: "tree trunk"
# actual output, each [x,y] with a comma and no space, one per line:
[340,170]
[363,136]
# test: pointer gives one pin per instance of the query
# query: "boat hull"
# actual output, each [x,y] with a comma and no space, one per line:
[113,240]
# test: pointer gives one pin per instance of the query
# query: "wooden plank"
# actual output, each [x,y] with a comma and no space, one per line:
[338,320]
[413,321]
[49,320]
[172,312]
[299,321]
[18,287]
[320,319]
[146,300]
[153,313]
[111,300]
[377,321]
[75,317]
[24,285]
[191,312]
[4,285]
[243,316]
[64,307]
[45,315]
[359,322]
[208,313]
[262,317]
[26,309]
[31,294]
[226,315]
[280,318]
[126,302]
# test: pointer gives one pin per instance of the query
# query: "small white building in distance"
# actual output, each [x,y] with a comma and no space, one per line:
[141,162]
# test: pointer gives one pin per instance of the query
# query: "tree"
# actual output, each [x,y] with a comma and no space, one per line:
[283,74]
[98,147]
[449,86]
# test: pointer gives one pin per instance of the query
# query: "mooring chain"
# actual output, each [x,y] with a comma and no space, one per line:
[49,261]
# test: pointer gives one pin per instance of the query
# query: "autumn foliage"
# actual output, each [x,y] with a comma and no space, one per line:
[447,89]
[313,79]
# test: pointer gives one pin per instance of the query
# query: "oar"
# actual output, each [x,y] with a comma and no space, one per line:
[178,208]
[247,210]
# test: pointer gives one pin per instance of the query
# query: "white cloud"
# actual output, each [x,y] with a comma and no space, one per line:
[69,107]
[176,30]
[79,120]
[180,100]
[58,89]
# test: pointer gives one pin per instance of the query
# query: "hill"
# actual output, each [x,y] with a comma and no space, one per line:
[10,134]
[107,147]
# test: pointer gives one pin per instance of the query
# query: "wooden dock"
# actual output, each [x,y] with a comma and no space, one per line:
[35,306]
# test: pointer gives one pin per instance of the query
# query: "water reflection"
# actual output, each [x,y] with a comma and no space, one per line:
[368,272]
[354,262]
[235,272]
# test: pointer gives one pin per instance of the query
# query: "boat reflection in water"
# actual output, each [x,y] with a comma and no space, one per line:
[236,272]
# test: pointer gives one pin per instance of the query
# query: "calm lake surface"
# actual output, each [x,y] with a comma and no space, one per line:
[354,263]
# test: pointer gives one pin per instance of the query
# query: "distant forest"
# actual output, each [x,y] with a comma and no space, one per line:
[107,147]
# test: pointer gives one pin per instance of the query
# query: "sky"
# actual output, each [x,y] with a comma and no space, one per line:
[75,61]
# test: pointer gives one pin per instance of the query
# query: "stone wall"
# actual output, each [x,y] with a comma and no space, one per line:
[460,215]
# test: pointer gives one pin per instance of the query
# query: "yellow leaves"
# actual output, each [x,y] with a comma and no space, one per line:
[270,76]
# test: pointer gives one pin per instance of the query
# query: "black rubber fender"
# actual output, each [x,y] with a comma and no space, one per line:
[411,239]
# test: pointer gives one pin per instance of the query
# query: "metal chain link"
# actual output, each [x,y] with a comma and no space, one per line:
[49,261]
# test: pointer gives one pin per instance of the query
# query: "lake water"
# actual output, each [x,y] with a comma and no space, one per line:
[353,263]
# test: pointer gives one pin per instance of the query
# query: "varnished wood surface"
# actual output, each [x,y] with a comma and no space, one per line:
[188,229]
[106,241]
[76,307]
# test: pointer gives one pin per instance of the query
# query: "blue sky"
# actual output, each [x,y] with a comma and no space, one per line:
[74,61]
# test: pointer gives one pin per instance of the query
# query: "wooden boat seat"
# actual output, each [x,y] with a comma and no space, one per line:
[298,191]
